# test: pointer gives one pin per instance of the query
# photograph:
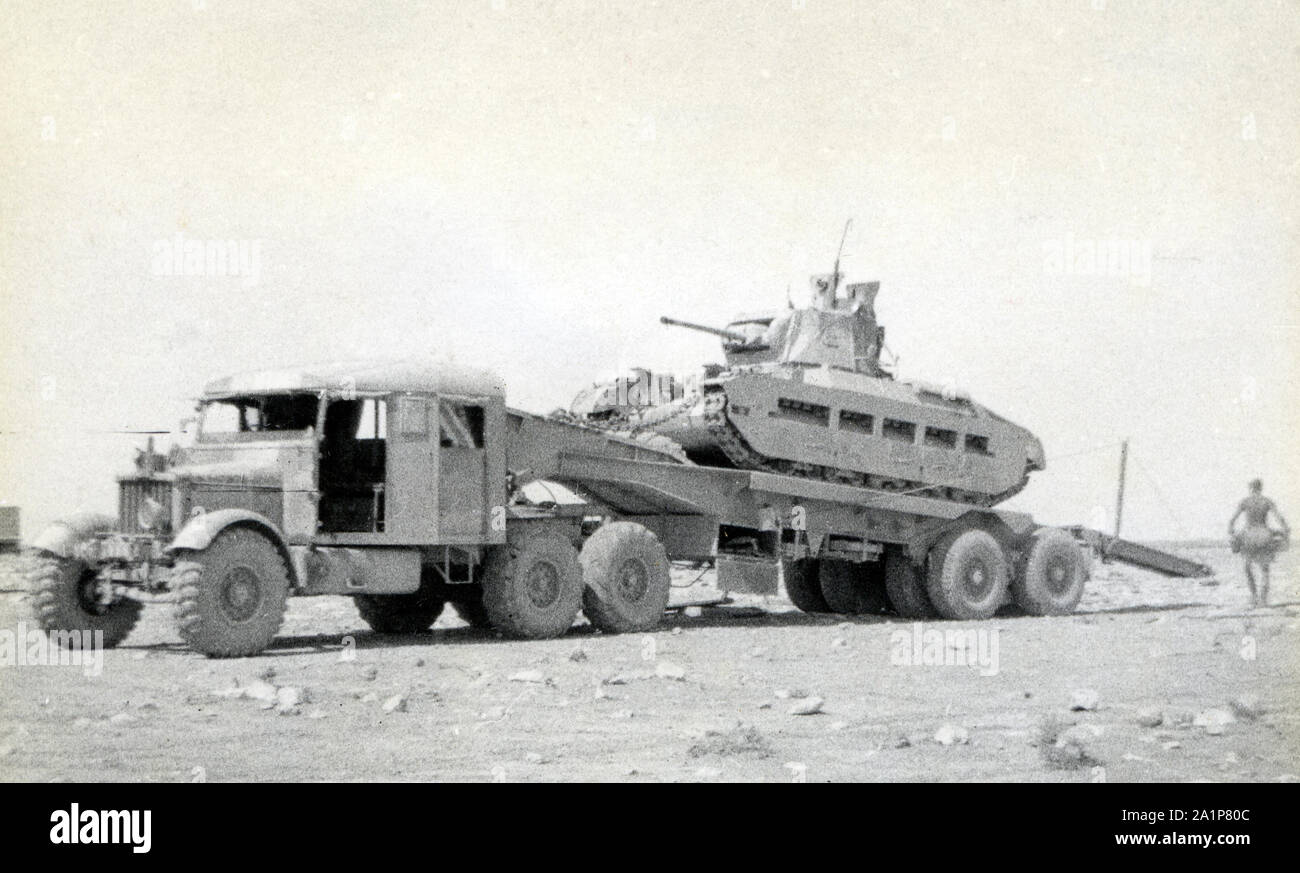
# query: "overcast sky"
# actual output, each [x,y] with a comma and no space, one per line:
[529,185]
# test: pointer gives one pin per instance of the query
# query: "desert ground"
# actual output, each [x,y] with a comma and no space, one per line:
[1153,679]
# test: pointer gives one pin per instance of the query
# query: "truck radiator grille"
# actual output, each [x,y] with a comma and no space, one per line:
[131,496]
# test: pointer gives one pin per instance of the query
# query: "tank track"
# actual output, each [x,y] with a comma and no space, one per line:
[742,455]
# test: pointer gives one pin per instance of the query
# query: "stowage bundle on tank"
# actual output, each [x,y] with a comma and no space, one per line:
[803,392]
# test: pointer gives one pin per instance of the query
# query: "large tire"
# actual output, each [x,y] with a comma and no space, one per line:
[802,585]
[403,613]
[230,597]
[853,589]
[626,578]
[532,589]
[61,595]
[967,576]
[1050,577]
[905,587]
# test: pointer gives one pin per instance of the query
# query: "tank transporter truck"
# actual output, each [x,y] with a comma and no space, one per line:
[401,485]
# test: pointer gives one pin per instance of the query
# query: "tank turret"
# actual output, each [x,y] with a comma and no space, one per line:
[803,392]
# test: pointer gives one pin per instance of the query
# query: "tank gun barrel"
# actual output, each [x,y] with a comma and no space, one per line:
[729,335]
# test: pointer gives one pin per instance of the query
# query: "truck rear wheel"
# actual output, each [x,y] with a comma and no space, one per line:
[1051,574]
[62,595]
[626,578]
[967,575]
[853,589]
[905,587]
[532,589]
[802,585]
[402,613]
[230,597]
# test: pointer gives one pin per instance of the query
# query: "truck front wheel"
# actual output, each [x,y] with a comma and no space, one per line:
[627,578]
[532,589]
[230,597]
[65,596]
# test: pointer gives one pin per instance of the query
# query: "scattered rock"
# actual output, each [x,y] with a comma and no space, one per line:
[534,758]
[493,713]
[669,670]
[146,705]
[260,690]
[419,662]
[1150,716]
[267,675]
[952,735]
[807,706]
[288,697]
[316,714]
[902,743]
[122,718]
[370,674]
[838,725]
[839,643]
[790,694]
[1073,747]
[1214,721]
[677,630]
[1247,707]
[1084,700]
[396,703]
[578,655]
[533,677]
[739,740]
[622,713]
[1172,744]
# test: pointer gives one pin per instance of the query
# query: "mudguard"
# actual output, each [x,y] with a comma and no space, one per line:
[201,530]
[61,537]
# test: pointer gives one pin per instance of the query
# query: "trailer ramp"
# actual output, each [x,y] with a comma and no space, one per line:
[1113,548]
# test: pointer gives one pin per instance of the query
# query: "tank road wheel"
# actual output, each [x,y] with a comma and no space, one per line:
[905,587]
[230,597]
[532,589]
[63,596]
[1051,574]
[802,585]
[967,575]
[402,613]
[626,578]
[853,589]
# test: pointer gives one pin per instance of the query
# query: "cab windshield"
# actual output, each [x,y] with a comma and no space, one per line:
[257,417]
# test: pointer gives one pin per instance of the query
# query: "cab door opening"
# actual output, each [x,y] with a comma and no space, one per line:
[353,457]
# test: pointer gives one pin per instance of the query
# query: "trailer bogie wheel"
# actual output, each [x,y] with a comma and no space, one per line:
[905,587]
[64,595]
[532,589]
[402,613]
[626,578]
[1050,577]
[853,589]
[803,585]
[230,597]
[967,576]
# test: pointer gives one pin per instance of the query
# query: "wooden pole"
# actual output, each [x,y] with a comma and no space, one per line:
[1119,498]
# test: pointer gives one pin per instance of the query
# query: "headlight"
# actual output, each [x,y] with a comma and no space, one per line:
[150,515]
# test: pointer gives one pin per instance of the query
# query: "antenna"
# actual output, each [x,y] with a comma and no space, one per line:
[835,277]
